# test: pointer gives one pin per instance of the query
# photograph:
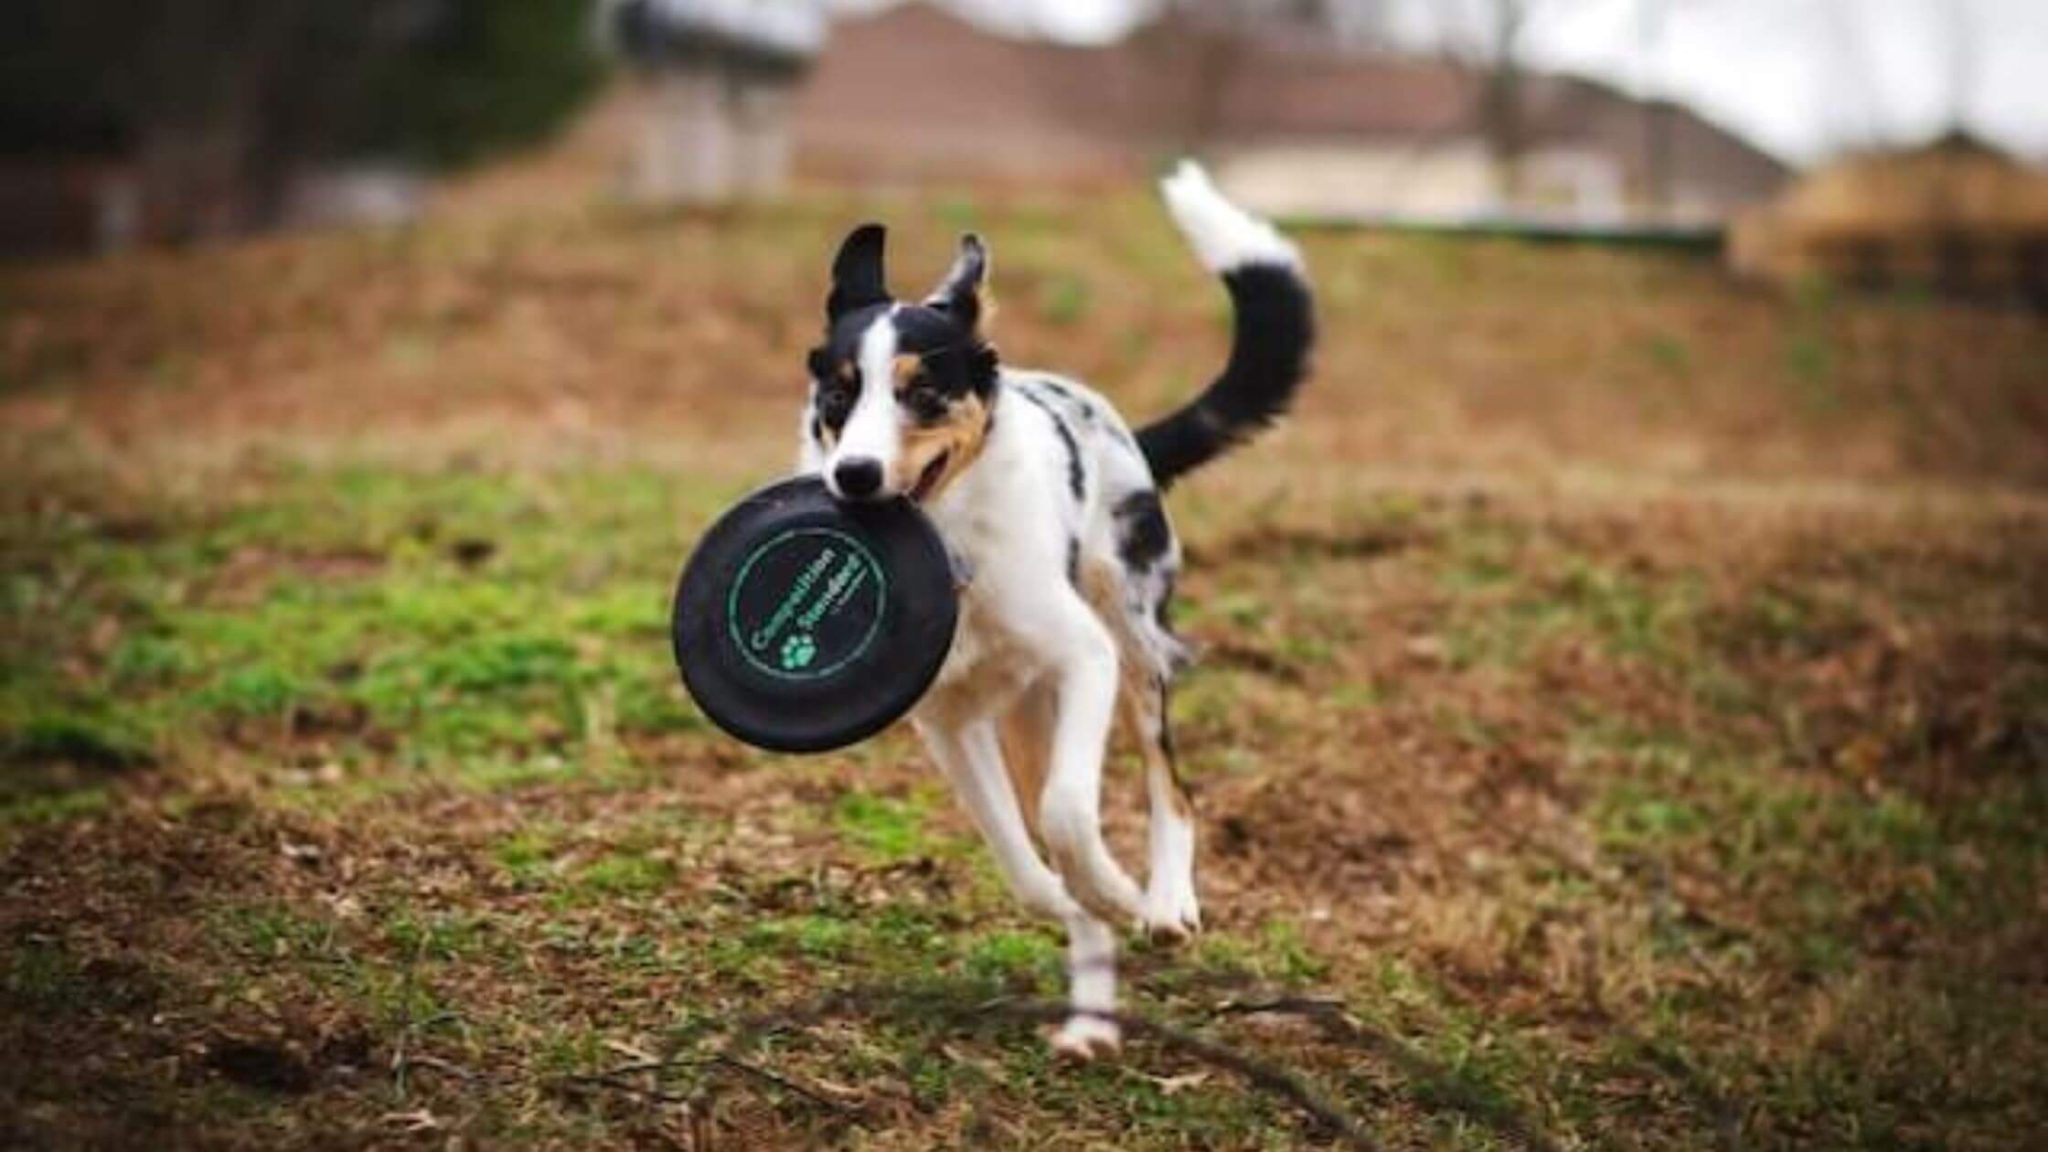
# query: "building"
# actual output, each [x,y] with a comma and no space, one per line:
[1294,127]
[711,90]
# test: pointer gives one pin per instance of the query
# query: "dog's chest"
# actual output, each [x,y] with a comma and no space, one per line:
[987,661]
[988,526]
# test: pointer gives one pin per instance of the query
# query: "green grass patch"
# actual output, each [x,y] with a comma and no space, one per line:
[37,976]
[527,856]
[623,873]
[884,828]
[54,807]
[270,932]
[493,623]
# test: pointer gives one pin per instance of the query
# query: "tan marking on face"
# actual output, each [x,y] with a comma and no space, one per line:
[903,371]
[960,437]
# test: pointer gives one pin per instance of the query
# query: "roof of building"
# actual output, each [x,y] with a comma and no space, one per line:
[774,35]
[917,80]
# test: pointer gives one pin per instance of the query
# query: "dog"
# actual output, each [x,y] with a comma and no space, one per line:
[1051,507]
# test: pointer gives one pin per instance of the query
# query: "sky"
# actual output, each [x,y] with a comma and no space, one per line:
[1801,78]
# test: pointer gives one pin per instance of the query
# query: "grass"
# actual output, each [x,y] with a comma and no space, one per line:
[1621,726]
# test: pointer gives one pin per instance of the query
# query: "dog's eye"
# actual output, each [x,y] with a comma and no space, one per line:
[925,401]
[835,400]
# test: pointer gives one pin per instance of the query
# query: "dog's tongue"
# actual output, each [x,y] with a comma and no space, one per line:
[929,477]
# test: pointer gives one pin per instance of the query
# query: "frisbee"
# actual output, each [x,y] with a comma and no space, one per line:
[804,624]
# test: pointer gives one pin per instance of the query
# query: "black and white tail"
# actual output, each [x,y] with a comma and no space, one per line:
[1273,329]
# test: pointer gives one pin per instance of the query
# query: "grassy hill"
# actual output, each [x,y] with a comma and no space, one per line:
[1622,718]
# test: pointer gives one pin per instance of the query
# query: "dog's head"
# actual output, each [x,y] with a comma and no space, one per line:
[900,393]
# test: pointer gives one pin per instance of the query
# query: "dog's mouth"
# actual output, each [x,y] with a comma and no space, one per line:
[928,479]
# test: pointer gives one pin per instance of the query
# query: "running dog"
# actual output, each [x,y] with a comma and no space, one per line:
[1051,508]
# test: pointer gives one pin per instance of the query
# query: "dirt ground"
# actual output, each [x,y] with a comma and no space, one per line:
[1622,719]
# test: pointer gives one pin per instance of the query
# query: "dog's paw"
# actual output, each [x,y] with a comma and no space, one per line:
[1086,1039]
[1110,897]
[1171,917]
[1091,874]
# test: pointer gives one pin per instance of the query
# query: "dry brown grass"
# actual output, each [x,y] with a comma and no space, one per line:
[1622,721]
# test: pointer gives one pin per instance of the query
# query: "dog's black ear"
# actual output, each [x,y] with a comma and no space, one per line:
[961,294]
[857,280]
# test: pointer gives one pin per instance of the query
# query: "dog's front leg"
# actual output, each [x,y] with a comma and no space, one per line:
[972,759]
[1070,809]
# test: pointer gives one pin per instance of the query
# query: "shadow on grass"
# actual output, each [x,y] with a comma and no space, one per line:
[934,1012]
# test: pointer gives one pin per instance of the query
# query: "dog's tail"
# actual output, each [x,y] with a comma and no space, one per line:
[1274,329]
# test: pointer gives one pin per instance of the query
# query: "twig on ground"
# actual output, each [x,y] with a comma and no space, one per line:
[1327,1014]
[1337,1024]
[1259,1073]
[619,1077]
[400,1060]
[783,1082]
[440,1065]
[618,1083]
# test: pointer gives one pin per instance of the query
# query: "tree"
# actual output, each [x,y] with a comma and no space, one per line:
[479,76]
[1488,37]
[1500,112]
[220,103]
[1204,44]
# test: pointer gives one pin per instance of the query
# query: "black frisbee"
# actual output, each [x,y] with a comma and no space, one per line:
[803,624]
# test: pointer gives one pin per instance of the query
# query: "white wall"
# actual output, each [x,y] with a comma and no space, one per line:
[1451,181]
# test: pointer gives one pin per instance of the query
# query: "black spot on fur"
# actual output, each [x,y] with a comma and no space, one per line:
[1080,404]
[1074,561]
[1273,332]
[1162,611]
[1077,478]
[1143,535]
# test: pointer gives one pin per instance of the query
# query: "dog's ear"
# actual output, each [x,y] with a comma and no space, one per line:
[857,280]
[962,294]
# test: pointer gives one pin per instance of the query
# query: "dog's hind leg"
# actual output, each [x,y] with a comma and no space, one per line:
[972,758]
[1172,913]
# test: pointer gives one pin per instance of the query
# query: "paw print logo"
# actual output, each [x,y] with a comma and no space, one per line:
[798,651]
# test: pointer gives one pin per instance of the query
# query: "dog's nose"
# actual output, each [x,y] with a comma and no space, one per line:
[858,477]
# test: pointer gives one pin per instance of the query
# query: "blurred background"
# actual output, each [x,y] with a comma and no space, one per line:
[1873,140]
[1623,712]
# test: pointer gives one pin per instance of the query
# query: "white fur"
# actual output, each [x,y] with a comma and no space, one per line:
[875,428]
[1224,236]
[1032,644]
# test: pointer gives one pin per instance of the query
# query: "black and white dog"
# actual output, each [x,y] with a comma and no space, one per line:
[1053,506]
